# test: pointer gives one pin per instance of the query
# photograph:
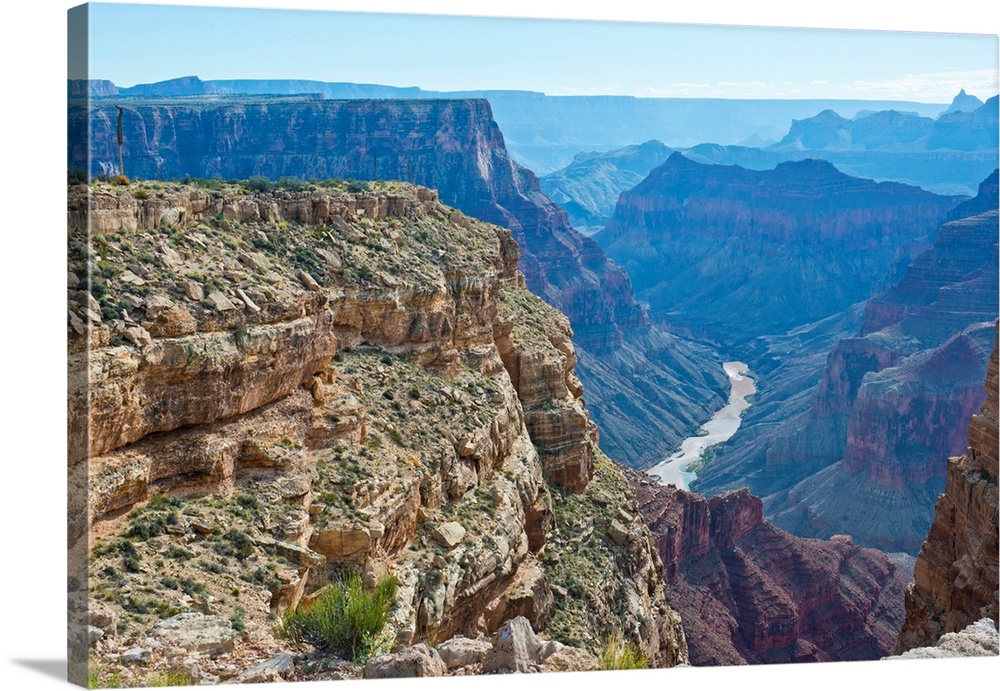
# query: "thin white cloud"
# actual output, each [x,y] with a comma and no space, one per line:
[744,85]
[930,86]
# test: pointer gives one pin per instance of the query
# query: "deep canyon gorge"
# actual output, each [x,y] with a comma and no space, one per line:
[311,337]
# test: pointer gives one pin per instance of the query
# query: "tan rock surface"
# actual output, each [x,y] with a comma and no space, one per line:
[240,457]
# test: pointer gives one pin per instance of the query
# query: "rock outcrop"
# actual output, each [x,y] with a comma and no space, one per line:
[955,578]
[281,386]
[750,593]
[456,148]
[975,640]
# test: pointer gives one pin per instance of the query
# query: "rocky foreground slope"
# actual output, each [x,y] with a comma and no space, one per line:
[455,147]
[750,593]
[956,575]
[275,387]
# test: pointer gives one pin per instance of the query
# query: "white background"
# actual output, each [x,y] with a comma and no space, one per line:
[32,388]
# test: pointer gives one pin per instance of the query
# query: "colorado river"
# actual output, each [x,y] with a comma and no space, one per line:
[723,425]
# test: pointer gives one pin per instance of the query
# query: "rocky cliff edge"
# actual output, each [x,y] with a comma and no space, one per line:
[267,389]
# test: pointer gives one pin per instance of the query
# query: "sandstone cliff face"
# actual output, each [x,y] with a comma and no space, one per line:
[750,593]
[455,147]
[955,579]
[284,385]
[768,250]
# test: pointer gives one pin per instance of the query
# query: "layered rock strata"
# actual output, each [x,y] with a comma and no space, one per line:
[282,386]
[890,403]
[750,593]
[955,579]
[455,147]
[770,250]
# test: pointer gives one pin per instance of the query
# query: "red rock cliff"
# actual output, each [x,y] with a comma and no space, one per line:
[955,578]
[750,593]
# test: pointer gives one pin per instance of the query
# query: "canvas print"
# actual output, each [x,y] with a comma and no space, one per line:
[390,357]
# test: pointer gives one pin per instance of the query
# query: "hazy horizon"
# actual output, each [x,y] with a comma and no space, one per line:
[554,57]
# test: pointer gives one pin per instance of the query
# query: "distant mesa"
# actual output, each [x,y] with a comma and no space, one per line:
[948,154]
[769,250]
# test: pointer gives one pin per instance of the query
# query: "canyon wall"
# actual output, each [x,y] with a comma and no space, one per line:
[891,401]
[749,593]
[455,147]
[770,251]
[955,579]
[283,385]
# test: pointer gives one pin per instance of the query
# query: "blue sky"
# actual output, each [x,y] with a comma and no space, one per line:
[555,57]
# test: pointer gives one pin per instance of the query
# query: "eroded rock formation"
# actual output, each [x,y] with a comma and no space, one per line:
[750,593]
[891,402]
[456,148]
[955,579]
[769,250]
[285,385]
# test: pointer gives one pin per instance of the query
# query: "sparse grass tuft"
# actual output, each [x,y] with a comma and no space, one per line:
[618,653]
[170,677]
[346,619]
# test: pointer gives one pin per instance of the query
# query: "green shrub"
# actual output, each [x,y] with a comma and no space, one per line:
[146,526]
[238,620]
[235,543]
[346,619]
[290,183]
[192,587]
[259,183]
[621,654]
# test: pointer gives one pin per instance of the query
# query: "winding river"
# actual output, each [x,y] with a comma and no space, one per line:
[723,425]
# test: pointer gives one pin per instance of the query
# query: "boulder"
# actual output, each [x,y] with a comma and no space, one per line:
[220,301]
[300,555]
[569,659]
[308,281]
[462,652]
[448,534]
[274,669]
[197,633]
[136,656]
[516,648]
[414,661]
[193,290]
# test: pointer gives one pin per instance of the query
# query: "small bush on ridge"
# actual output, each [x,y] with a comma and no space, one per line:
[346,619]
[621,654]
